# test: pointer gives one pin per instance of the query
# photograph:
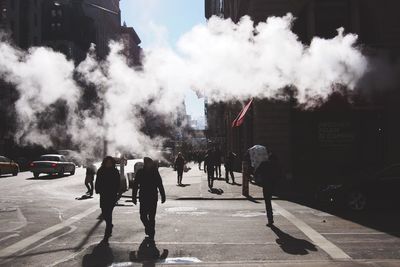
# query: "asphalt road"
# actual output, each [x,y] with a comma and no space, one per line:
[42,224]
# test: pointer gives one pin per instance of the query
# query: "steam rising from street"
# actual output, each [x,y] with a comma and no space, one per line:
[221,61]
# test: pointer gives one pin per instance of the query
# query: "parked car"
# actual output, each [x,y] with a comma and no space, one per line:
[23,163]
[8,166]
[72,156]
[366,190]
[52,164]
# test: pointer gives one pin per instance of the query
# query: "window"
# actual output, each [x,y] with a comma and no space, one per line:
[53,13]
[50,158]
[59,12]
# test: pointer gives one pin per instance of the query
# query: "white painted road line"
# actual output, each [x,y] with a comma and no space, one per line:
[23,244]
[331,249]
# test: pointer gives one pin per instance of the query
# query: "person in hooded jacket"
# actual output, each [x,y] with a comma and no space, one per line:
[268,173]
[107,185]
[148,182]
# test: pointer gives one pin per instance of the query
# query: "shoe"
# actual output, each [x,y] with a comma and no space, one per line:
[270,224]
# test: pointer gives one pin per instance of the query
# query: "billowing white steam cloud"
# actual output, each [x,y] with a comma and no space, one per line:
[222,61]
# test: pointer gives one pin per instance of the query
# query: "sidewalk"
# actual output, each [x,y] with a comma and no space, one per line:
[196,186]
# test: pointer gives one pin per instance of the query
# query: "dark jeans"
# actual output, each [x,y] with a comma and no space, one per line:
[89,186]
[106,211]
[210,177]
[268,206]
[218,170]
[180,175]
[148,211]
[227,173]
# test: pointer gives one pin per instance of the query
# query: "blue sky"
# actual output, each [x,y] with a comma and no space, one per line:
[169,19]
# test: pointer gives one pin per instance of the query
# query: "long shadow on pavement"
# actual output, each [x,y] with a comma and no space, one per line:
[148,253]
[89,234]
[102,255]
[292,245]
[385,218]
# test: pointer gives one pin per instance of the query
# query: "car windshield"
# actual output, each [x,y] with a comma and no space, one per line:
[49,158]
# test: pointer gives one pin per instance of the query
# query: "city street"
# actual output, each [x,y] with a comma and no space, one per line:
[42,224]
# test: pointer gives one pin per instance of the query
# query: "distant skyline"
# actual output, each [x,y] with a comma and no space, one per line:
[163,22]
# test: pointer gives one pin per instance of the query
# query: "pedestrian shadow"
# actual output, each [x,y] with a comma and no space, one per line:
[148,253]
[49,177]
[101,256]
[252,199]
[217,191]
[292,245]
[184,185]
[90,233]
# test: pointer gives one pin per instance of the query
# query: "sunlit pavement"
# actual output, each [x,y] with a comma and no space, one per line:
[43,225]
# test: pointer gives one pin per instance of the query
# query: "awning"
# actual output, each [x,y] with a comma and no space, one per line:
[240,117]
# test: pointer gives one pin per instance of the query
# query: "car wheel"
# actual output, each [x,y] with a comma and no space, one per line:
[36,175]
[357,201]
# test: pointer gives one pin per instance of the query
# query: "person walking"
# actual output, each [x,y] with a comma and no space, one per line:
[209,168]
[179,166]
[89,178]
[268,173]
[199,157]
[107,185]
[148,182]
[218,162]
[229,165]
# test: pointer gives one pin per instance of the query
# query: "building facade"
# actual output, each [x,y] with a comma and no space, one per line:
[336,137]
[67,26]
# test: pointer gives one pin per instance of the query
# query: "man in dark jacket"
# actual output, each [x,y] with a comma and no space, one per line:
[268,174]
[148,182]
[179,166]
[217,162]
[107,185]
[209,166]
[89,178]
[229,164]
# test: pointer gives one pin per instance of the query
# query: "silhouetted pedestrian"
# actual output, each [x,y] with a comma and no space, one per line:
[199,157]
[209,168]
[229,165]
[218,162]
[89,178]
[148,182]
[107,185]
[268,174]
[179,166]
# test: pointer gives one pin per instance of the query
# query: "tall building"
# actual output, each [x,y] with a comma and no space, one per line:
[338,136]
[68,26]
[131,41]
